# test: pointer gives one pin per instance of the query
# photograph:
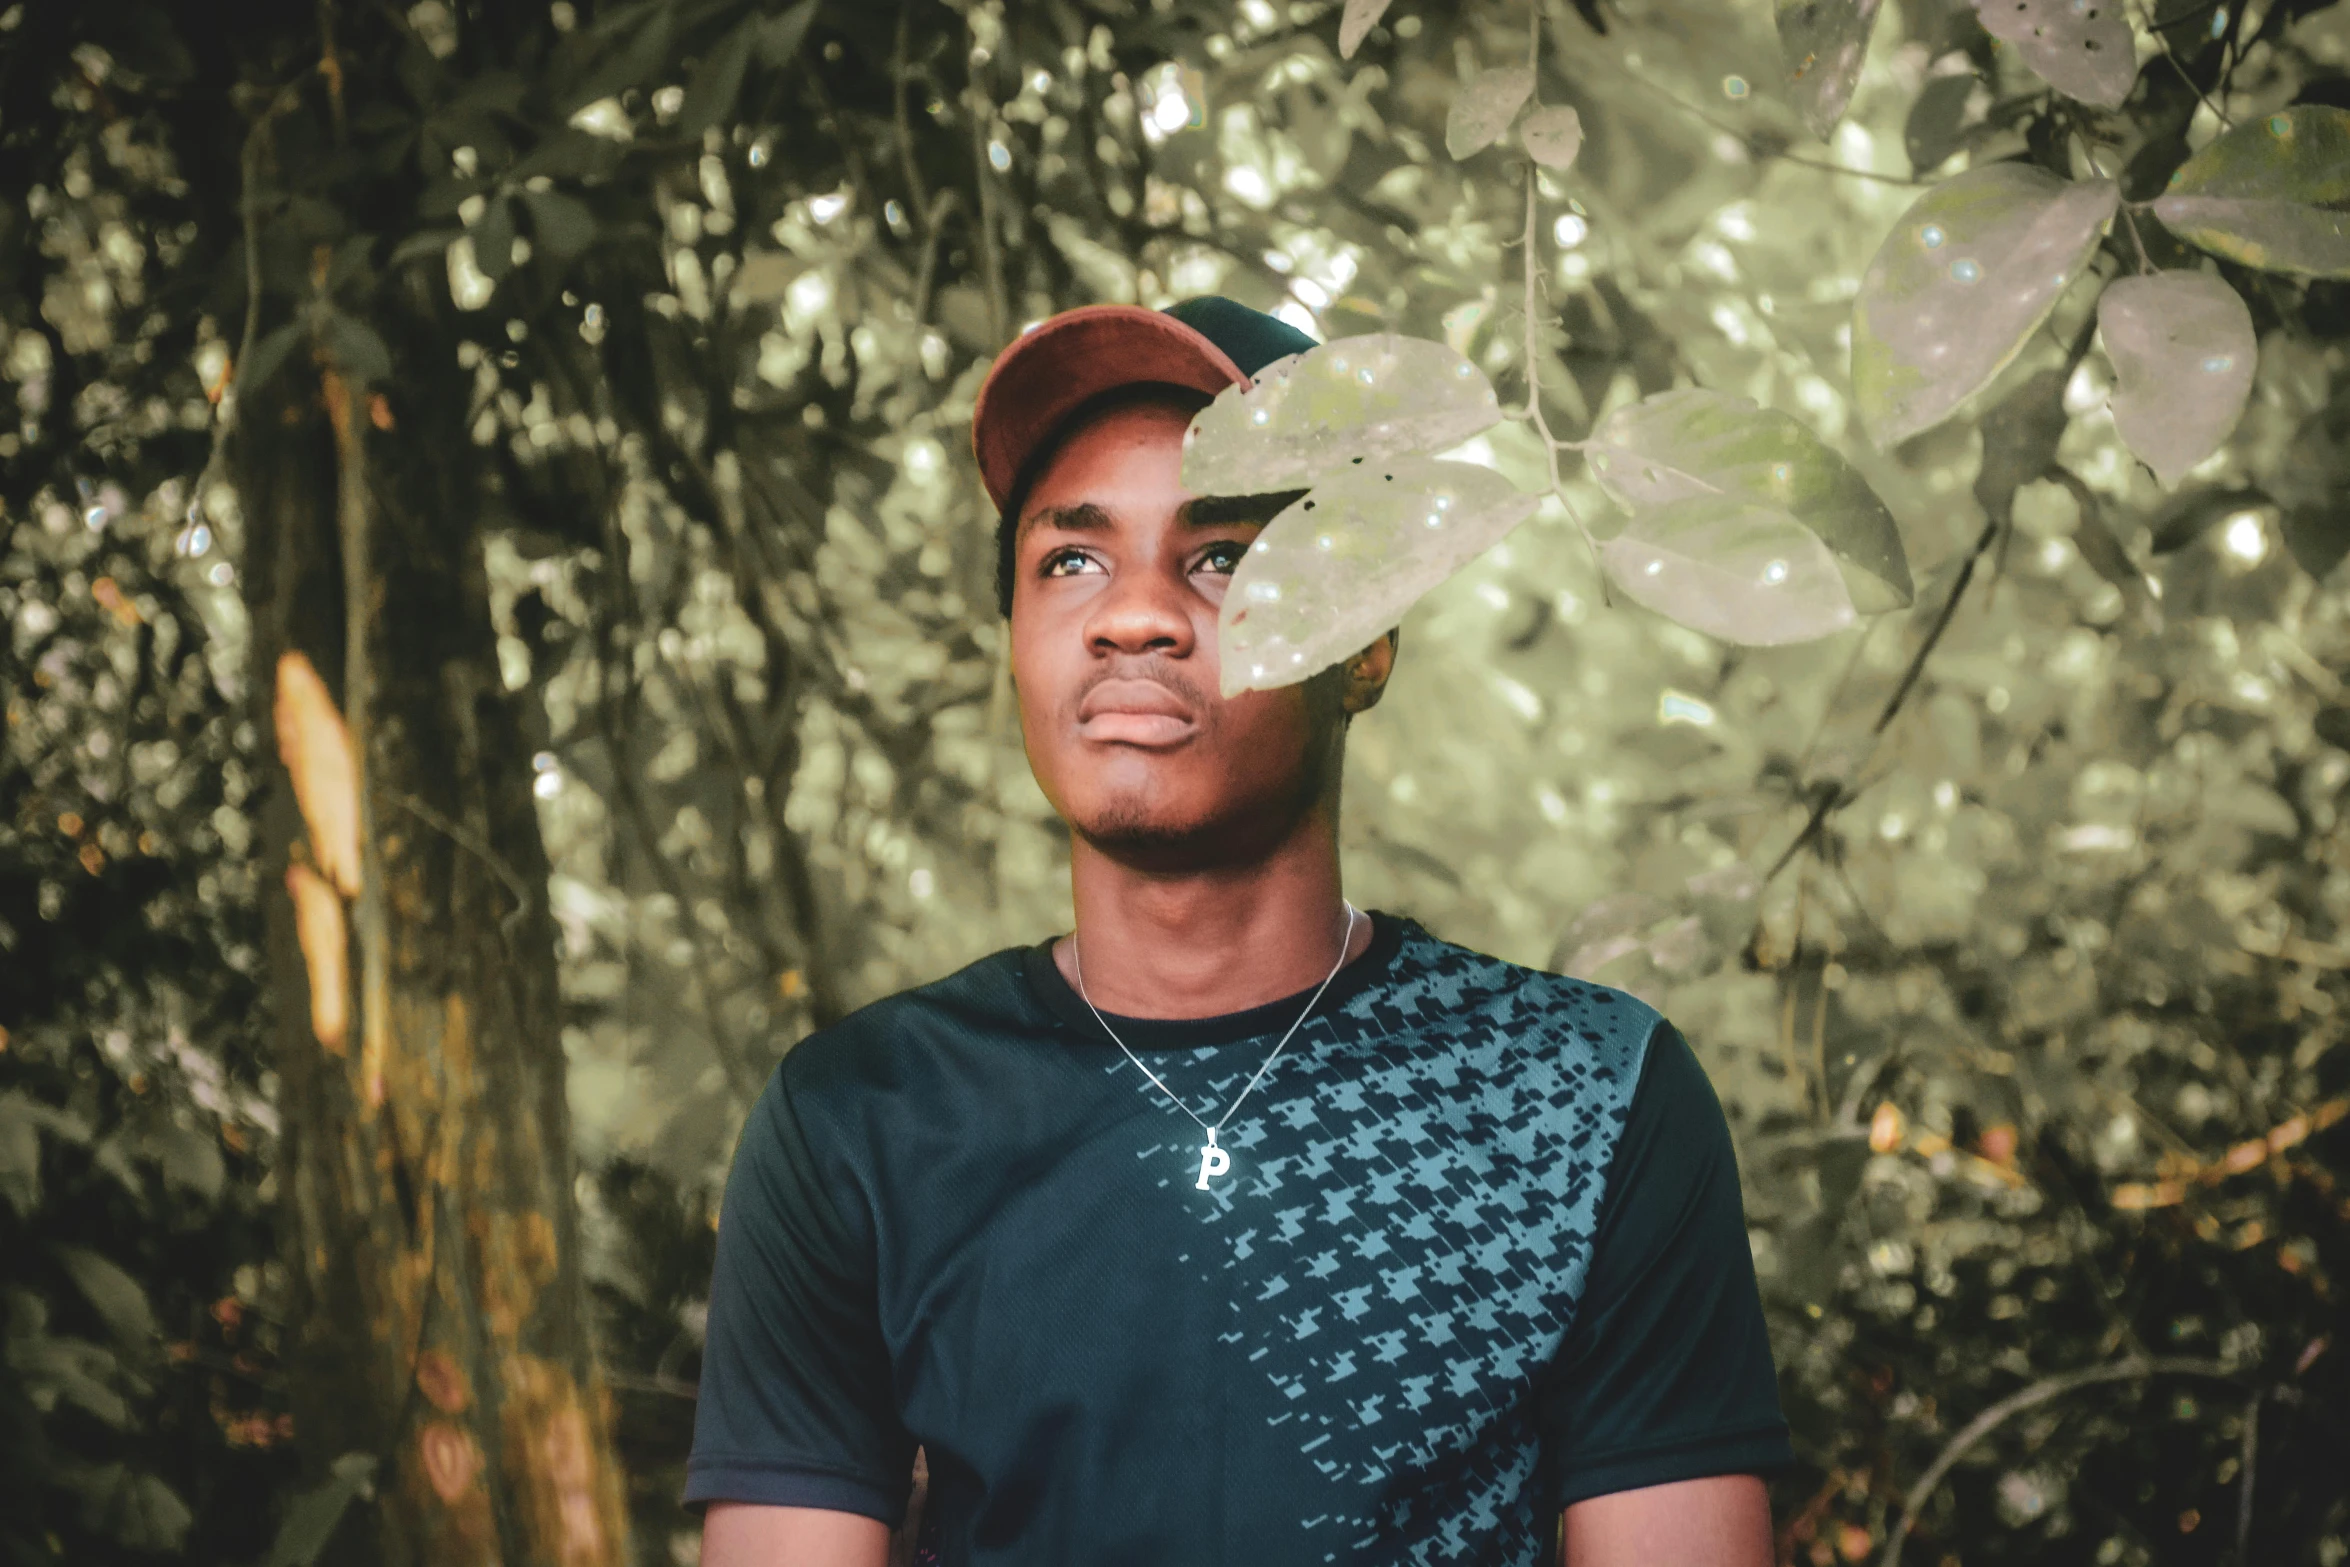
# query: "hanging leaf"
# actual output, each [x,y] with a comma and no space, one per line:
[2318,537]
[2183,518]
[312,1516]
[493,238]
[718,80]
[115,1294]
[359,354]
[1930,135]
[416,247]
[20,1154]
[1958,287]
[1553,136]
[73,1369]
[1691,442]
[1360,17]
[635,49]
[2094,537]
[1719,564]
[2082,48]
[146,1514]
[2183,353]
[1822,44]
[1485,108]
[1343,564]
[566,155]
[1348,401]
[2020,437]
[268,357]
[562,225]
[2273,193]
[779,36]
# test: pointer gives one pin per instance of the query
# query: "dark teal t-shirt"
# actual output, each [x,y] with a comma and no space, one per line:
[1479,1254]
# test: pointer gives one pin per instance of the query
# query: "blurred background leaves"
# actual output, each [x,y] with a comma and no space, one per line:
[2019,969]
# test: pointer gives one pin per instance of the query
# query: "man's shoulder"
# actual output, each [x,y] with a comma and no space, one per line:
[984,996]
[1443,979]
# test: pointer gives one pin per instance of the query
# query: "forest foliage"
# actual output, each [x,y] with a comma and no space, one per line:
[2006,905]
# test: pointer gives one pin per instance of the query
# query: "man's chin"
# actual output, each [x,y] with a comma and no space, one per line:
[1160,835]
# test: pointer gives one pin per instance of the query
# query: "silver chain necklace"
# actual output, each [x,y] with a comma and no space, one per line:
[1212,1159]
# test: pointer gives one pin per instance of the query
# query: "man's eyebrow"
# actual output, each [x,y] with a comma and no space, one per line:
[1084,517]
[1217,511]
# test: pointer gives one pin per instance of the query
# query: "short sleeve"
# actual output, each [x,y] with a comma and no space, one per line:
[796,1407]
[1665,1372]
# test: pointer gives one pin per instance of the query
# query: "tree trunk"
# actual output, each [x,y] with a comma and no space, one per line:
[426,1183]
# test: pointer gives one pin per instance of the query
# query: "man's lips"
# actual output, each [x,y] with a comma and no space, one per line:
[1136,712]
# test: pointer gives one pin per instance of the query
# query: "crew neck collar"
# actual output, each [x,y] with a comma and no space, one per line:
[1192,1033]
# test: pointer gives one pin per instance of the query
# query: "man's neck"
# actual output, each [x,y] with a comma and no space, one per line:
[1180,945]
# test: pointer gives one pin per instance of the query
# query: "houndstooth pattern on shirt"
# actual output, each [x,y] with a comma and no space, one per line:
[1412,1207]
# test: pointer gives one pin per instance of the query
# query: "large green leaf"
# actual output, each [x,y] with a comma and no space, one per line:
[113,1292]
[1351,401]
[1722,565]
[146,1514]
[1930,134]
[1692,442]
[73,1370]
[1822,44]
[358,353]
[1341,565]
[1552,137]
[20,1154]
[628,47]
[1970,271]
[780,35]
[2183,353]
[2082,48]
[2273,193]
[493,238]
[562,225]
[1484,108]
[718,80]
[1357,21]
[312,1516]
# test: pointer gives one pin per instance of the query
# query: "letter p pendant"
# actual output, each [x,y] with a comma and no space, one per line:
[1212,1161]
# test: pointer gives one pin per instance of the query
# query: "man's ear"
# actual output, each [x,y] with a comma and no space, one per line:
[1367,672]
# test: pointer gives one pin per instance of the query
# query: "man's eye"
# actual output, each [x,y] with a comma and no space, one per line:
[1223,558]
[1065,563]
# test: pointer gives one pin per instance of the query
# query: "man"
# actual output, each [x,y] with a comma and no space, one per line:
[1239,1228]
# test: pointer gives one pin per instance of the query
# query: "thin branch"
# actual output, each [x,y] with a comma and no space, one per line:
[1550,443]
[1755,147]
[2244,1493]
[859,179]
[2129,218]
[1529,246]
[1830,795]
[933,230]
[330,66]
[917,198]
[250,160]
[2032,1397]
[1917,664]
[472,843]
[991,260]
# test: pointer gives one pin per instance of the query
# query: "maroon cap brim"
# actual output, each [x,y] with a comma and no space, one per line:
[1047,371]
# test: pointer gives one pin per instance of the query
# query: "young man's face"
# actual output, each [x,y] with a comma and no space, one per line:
[1115,592]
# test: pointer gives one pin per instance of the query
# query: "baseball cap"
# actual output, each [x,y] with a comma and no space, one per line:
[1055,367]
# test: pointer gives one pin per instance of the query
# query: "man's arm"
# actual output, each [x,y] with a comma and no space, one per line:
[745,1534]
[1661,1406]
[1719,1521]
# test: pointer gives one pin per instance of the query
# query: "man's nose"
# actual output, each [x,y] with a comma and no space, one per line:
[1141,612]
